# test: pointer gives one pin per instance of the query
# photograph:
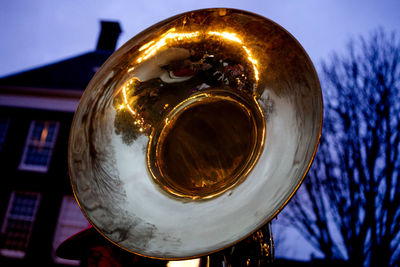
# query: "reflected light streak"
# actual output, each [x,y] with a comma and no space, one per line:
[232,37]
[126,101]
[146,45]
[253,61]
[138,121]
[171,34]
[227,35]
[152,47]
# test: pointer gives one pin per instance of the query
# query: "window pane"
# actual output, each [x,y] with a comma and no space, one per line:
[16,234]
[18,223]
[39,145]
[24,205]
[44,132]
[36,155]
[37,130]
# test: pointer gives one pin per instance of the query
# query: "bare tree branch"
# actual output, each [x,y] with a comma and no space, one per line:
[349,205]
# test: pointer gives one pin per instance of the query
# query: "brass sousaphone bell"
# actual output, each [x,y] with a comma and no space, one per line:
[195,133]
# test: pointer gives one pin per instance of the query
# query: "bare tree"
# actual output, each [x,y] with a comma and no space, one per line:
[349,205]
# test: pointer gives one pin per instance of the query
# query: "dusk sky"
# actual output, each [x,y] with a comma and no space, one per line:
[39,32]
[35,33]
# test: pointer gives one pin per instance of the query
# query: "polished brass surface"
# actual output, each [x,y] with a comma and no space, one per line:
[205,147]
[195,133]
[208,144]
[256,250]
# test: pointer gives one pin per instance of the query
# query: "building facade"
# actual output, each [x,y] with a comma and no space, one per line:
[37,207]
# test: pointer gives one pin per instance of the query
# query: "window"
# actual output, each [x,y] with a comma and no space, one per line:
[3,131]
[70,221]
[18,223]
[39,146]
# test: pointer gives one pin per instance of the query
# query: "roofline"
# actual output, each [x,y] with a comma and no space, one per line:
[51,64]
[65,100]
[36,91]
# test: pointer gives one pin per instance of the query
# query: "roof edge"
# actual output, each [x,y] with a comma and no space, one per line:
[34,91]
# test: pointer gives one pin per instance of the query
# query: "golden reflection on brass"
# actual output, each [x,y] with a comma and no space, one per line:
[207,145]
[225,153]
[210,168]
[256,250]
[169,35]
[232,36]
[167,38]
[204,148]
[206,122]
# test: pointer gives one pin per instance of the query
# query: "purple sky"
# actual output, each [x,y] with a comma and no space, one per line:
[34,33]
[39,32]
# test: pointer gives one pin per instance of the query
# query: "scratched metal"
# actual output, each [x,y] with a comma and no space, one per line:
[116,159]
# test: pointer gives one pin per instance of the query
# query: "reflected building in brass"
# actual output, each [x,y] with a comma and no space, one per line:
[195,133]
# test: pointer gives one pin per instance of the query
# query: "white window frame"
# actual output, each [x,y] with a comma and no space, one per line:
[66,222]
[29,167]
[18,253]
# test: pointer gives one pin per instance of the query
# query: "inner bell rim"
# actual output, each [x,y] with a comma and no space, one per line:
[246,103]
